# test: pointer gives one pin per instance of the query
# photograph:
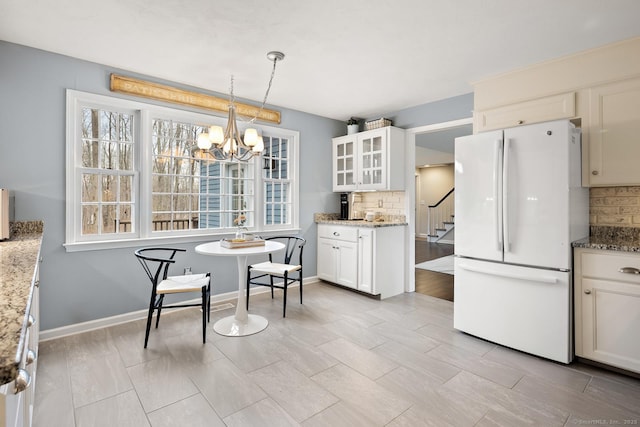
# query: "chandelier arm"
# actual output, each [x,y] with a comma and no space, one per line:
[217,153]
[246,156]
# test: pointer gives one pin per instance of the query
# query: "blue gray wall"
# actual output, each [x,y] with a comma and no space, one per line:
[82,286]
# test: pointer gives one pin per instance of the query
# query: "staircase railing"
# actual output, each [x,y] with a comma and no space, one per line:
[441,212]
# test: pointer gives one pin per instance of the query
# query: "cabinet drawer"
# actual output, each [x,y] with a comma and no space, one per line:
[608,266]
[338,232]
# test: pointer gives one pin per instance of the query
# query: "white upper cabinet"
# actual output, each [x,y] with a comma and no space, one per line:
[539,110]
[614,133]
[598,89]
[344,163]
[370,160]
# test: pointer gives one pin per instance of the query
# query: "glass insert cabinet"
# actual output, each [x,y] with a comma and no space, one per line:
[370,160]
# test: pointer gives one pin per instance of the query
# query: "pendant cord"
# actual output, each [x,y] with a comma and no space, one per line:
[266,94]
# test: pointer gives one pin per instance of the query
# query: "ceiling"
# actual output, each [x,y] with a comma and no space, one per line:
[442,140]
[343,57]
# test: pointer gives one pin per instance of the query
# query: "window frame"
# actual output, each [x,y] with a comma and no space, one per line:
[143,114]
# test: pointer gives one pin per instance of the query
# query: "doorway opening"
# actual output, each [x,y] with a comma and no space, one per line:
[434,214]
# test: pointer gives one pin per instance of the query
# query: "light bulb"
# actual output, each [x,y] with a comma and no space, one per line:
[250,137]
[230,145]
[216,134]
[204,143]
[259,147]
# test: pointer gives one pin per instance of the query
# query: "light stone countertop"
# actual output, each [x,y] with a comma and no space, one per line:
[383,221]
[18,260]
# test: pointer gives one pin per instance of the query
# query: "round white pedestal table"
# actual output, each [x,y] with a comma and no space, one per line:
[242,323]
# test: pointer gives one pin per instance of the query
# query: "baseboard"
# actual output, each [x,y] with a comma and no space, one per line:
[78,328]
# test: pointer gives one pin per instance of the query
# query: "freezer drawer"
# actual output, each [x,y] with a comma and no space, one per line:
[519,307]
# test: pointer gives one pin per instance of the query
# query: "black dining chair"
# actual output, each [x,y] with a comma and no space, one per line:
[286,265]
[156,262]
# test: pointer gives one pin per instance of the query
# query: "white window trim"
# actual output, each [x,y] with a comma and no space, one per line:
[142,152]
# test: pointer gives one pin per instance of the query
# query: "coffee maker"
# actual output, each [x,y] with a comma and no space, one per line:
[344,206]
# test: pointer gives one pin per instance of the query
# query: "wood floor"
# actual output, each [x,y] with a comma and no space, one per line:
[432,283]
[341,359]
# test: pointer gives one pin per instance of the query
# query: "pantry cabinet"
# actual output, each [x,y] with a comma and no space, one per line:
[613,129]
[367,258]
[607,303]
[370,160]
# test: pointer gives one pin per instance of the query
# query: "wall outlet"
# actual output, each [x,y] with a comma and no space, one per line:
[187,270]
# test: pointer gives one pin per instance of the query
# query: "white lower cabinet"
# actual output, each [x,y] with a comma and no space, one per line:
[368,259]
[365,260]
[338,255]
[607,305]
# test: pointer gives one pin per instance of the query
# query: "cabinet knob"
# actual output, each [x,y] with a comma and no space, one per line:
[31,357]
[587,291]
[594,172]
[23,380]
[335,233]
[520,122]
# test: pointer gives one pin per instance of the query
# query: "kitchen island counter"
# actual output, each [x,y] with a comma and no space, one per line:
[18,262]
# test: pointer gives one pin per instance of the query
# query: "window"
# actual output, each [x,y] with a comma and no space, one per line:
[277,186]
[106,172]
[132,174]
[189,193]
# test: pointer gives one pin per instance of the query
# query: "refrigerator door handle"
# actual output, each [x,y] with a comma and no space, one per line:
[496,193]
[505,195]
[541,279]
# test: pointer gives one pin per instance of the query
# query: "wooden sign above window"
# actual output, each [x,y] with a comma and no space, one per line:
[160,92]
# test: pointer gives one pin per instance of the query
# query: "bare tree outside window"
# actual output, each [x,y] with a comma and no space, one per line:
[107,172]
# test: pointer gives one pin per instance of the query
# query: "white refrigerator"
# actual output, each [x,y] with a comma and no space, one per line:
[518,206]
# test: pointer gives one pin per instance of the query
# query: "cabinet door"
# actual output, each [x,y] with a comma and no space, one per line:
[614,133]
[326,260]
[347,264]
[540,110]
[344,163]
[610,323]
[365,260]
[372,160]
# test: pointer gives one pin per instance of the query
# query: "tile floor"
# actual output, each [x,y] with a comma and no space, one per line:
[341,359]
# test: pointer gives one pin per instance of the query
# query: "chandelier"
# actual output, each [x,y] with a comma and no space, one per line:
[229,144]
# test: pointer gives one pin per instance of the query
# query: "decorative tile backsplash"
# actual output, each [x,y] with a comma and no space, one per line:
[614,206]
[381,202]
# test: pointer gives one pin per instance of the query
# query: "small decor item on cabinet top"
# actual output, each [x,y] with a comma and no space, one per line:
[352,126]
[377,123]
